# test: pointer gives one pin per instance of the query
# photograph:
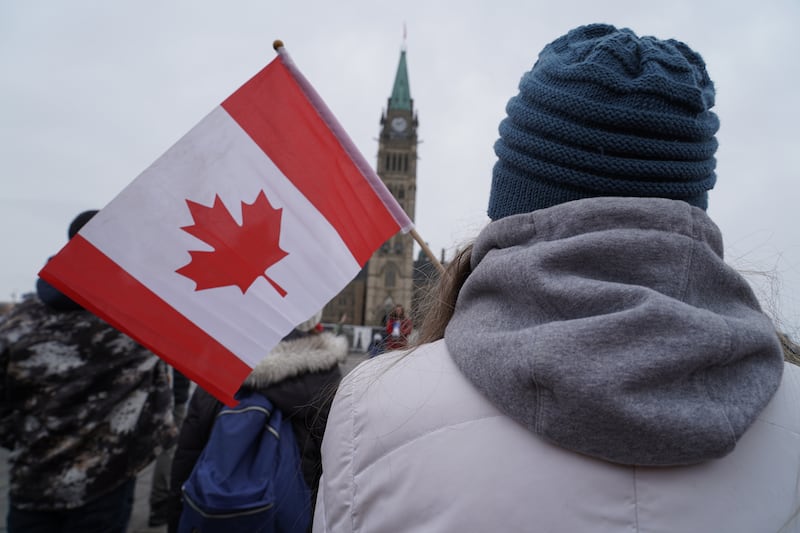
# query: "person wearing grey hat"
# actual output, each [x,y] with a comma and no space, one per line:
[590,362]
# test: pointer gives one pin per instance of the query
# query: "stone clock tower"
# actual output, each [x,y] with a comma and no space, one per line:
[387,279]
[390,271]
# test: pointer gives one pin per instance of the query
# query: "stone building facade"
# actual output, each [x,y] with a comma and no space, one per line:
[388,277]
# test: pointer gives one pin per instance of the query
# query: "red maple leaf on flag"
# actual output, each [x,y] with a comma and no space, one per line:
[241,254]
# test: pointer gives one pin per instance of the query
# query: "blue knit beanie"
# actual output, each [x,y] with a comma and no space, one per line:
[604,112]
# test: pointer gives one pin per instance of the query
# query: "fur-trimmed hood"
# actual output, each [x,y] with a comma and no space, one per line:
[315,352]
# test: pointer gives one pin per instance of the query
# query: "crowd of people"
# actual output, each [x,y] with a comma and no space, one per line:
[589,363]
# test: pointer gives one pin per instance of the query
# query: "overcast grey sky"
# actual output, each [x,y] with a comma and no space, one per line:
[93,92]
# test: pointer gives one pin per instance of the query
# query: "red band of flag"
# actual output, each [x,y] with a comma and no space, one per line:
[157,326]
[275,112]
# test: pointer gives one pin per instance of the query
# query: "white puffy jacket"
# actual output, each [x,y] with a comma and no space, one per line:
[594,347]
[411,445]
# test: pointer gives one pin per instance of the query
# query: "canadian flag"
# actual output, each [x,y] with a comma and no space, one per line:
[244,228]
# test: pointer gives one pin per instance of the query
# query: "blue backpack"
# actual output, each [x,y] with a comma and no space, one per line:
[248,477]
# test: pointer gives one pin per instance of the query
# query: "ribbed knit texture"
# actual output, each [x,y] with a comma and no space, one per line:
[604,112]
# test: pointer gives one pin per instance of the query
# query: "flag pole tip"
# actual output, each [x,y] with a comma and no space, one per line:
[277,44]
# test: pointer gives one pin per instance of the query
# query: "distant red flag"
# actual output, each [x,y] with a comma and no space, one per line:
[247,226]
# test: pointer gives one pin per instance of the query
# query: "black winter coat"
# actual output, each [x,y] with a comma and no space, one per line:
[300,377]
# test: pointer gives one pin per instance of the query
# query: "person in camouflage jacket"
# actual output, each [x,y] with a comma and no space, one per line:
[83,408]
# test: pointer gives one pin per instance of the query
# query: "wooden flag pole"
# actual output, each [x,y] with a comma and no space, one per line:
[427,250]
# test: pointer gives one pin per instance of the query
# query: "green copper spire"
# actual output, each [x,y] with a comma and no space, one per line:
[401,94]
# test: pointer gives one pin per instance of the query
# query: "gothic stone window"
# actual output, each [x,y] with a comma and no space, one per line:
[396,162]
[390,275]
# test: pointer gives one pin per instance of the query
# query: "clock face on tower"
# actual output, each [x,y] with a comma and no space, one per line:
[399,124]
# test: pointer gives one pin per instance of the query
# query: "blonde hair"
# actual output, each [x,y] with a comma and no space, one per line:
[791,351]
[438,306]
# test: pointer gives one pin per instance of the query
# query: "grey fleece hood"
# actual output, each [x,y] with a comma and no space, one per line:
[613,328]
